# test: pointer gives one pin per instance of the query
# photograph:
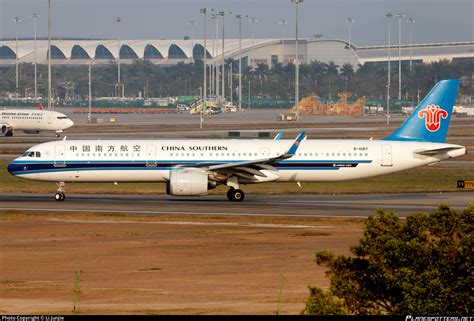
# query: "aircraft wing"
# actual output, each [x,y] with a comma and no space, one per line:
[251,169]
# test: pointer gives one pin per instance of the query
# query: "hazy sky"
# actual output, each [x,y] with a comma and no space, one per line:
[436,20]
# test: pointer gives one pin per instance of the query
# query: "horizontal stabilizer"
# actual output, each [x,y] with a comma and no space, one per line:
[437,151]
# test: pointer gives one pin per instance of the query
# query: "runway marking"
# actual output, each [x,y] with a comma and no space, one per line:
[180,213]
[258,225]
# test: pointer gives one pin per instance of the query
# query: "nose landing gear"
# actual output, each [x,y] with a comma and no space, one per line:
[60,194]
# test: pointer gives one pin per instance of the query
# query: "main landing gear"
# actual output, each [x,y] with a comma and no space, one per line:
[235,195]
[60,194]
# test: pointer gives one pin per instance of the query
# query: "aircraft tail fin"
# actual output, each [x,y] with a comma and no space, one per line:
[429,122]
[40,106]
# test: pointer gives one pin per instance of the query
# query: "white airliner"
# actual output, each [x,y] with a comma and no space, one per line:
[193,167]
[33,121]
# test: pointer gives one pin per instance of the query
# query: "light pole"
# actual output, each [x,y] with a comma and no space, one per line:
[89,116]
[50,94]
[400,16]
[192,23]
[204,90]
[231,75]
[119,19]
[389,20]
[223,14]
[239,16]
[213,65]
[216,60]
[297,69]
[349,22]
[35,16]
[283,23]
[253,21]
[411,21]
[16,20]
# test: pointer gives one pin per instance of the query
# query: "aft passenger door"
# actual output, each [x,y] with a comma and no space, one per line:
[387,155]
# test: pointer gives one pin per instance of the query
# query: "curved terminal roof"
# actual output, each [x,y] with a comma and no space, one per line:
[26,48]
[172,51]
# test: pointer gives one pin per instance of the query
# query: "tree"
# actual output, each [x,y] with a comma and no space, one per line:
[331,73]
[423,265]
[322,303]
[157,80]
[347,72]
[261,72]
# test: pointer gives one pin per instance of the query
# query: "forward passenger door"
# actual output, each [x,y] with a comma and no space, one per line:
[60,156]
[151,155]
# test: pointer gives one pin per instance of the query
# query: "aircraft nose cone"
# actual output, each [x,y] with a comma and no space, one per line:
[11,168]
[70,123]
[16,168]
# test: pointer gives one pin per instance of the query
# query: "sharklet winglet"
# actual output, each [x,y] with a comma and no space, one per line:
[296,144]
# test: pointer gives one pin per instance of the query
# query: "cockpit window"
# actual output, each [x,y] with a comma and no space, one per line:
[62,117]
[31,154]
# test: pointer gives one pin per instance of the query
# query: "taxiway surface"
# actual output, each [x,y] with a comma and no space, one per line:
[350,205]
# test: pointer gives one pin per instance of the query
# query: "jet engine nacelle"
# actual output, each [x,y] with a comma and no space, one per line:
[6,130]
[187,183]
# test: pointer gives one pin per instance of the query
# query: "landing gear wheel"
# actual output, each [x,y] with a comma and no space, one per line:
[58,135]
[9,133]
[235,195]
[239,195]
[230,194]
[59,196]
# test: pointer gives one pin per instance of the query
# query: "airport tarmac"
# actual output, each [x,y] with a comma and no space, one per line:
[316,206]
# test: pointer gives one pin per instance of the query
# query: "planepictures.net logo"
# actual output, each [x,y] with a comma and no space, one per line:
[437,318]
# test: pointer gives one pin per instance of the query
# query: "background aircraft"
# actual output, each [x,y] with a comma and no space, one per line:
[33,121]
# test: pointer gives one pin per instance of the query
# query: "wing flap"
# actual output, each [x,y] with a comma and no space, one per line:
[250,170]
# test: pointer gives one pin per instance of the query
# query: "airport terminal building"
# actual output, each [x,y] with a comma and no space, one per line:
[268,51]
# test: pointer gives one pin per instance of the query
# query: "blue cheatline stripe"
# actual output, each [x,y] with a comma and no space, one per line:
[24,167]
[196,161]
[309,169]
[61,170]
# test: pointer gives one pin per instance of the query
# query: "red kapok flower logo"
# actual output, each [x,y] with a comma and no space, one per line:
[433,115]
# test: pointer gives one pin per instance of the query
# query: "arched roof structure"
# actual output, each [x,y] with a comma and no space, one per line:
[102,52]
[172,51]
